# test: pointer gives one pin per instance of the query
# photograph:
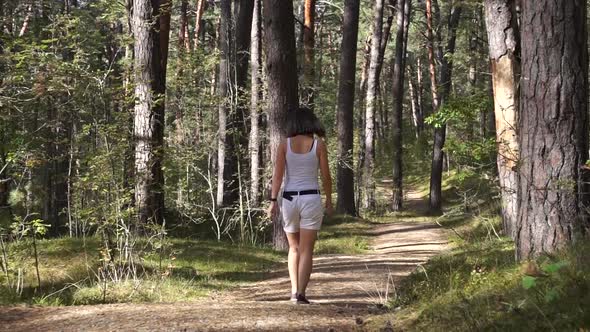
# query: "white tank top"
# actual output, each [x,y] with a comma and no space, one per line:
[301,171]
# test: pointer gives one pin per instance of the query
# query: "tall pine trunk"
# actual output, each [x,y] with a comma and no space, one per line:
[309,53]
[361,123]
[433,85]
[504,45]
[371,98]
[255,96]
[281,68]
[382,121]
[446,72]
[239,125]
[200,10]
[403,20]
[553,137]
[183,35]
[150,29]
[346,86]
[416,97]
[226,162]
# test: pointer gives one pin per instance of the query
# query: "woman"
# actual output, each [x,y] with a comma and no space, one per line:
[298,159]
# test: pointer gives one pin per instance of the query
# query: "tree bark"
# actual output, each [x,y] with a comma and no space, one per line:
[239,121]
[361,123]
[372,84]
[504,46]
[255,96]
[403,20]
[281,68]
[433,84]
[416,98]
[183,35]
[226,162]
[4,180]
[151,50]
[309,53]
[346,86]
[200,9]
[440,132]
[553,137]
[383,111]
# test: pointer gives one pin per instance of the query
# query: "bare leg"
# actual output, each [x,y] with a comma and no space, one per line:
[306,242]
[293,260]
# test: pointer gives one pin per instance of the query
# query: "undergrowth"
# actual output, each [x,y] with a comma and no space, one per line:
[186,270]
[183,270]
[478,285]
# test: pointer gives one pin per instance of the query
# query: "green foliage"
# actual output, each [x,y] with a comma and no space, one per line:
[177,270]
[479,286]
[465,146]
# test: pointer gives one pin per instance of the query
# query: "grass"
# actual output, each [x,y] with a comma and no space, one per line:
[478,285]
[185,270]
[343,235]
[189,270]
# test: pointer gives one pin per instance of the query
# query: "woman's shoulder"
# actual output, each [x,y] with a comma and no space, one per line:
[283,144]
[321,143]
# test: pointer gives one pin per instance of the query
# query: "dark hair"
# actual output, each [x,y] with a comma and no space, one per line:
[302,121]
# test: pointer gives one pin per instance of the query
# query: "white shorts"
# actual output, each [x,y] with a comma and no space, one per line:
[304,211]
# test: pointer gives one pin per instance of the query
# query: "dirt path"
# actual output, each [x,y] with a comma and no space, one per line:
[344,291]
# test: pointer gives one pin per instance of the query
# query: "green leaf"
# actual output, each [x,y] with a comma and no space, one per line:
[528,282]
[552,268]
[551,295]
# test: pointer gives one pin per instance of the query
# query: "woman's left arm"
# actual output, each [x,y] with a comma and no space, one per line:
[326,176]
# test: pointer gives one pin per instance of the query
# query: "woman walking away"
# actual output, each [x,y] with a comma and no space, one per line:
[298,159]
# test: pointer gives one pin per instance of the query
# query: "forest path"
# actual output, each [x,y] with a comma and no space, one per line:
[344,290]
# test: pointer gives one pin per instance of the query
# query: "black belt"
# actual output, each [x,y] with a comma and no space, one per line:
[288,195]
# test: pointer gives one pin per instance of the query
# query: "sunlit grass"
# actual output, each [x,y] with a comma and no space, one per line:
[478,285]
[181,270]
[184,270]
[343,235]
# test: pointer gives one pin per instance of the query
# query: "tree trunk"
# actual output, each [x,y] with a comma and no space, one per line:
[372,84]
[309,53]
[346,86]
[553,137]
[239,124]
[361,123]
[183,35]
[4,180]
[255,96]
[281,67]
[440,133]
[433,86]
[403,20]
[416,100]
[504,43]
[200,9]
[151,48]
[383,111]
[226,162]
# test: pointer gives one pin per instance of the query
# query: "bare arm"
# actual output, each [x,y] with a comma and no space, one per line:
[277,180]
[279,171]
[325,172]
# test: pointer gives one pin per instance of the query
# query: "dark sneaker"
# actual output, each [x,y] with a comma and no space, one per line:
[294,297]
[301,299]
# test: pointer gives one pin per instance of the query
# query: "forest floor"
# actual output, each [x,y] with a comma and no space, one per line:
[346,291]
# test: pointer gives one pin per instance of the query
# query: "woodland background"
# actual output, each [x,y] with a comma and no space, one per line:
[130,128]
